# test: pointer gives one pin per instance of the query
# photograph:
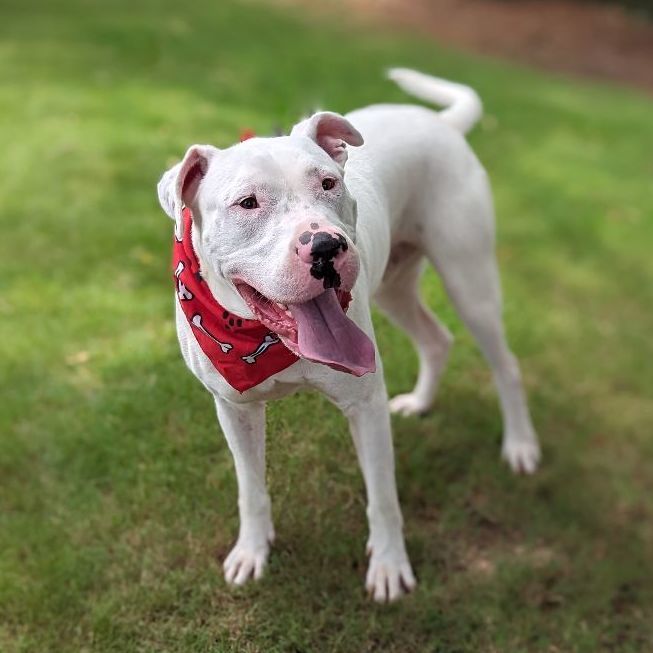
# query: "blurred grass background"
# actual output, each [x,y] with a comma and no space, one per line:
[117,495]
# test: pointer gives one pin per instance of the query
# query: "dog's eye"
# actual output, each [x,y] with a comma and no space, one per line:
[249,203]
[328,183]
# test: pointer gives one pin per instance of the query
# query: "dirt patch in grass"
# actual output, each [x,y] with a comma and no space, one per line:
[590,39]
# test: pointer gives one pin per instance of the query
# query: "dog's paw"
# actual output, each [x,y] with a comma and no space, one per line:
[389,577]
[245,560]
[523,455]
[409,404]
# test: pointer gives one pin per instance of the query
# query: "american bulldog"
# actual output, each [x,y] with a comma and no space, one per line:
[282,243]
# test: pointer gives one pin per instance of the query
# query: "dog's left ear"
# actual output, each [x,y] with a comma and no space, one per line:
[178,186]
[331,132]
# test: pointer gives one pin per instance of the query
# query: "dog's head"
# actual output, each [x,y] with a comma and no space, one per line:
[275,233]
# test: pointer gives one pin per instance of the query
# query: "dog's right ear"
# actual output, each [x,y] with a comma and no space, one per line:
[178,187]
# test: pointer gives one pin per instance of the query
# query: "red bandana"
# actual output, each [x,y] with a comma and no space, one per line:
[243,351]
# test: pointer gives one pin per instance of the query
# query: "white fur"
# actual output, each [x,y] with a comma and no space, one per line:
[414,192]
[464,107]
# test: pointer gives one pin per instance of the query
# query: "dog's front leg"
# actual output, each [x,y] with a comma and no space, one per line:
[244,429]
[389,571]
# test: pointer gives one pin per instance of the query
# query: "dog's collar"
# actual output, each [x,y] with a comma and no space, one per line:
[244,352]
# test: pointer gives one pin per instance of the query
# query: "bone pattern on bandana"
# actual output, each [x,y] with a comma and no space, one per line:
[244,352]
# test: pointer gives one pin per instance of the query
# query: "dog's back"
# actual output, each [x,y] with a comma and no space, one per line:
[416,166]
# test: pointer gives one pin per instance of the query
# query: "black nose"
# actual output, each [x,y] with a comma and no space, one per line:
[325,246]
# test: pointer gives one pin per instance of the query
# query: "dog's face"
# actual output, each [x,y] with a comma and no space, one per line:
[276,224]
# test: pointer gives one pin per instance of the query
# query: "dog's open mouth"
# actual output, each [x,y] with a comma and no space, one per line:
[317,329]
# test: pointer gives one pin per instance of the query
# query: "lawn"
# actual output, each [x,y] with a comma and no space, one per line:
[117,493]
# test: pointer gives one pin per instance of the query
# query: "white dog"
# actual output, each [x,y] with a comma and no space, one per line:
[284,239]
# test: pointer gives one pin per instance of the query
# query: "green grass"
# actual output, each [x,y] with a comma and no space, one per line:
[117,495]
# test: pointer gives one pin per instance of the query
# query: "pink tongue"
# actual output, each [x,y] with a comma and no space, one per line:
[326,335]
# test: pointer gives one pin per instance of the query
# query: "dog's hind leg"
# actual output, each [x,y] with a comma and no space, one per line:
[398,297]
[463,253]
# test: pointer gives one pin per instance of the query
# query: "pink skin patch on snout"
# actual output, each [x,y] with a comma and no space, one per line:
[324,258]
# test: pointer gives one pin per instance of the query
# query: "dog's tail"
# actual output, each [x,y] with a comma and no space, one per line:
[463,106]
